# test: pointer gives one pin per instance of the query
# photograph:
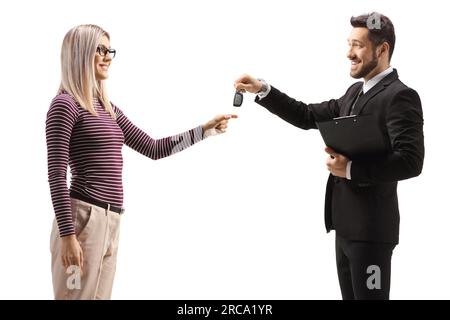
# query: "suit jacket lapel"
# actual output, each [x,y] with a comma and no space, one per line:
[351,101]
[380,86]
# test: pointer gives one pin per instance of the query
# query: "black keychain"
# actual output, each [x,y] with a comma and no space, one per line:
[238,98]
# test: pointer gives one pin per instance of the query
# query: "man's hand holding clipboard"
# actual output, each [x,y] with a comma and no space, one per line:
[350,138]
[336,163]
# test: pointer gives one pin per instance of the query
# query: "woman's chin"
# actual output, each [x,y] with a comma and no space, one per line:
[101,76]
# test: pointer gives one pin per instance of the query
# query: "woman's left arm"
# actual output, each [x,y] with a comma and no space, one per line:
[156,149]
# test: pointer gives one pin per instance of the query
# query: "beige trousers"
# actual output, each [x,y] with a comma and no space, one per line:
[97,230]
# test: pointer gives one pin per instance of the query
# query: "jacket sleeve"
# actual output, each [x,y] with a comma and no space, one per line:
[404,121]
[298,113]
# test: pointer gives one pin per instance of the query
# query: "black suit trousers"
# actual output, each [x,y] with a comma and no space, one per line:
[364,269]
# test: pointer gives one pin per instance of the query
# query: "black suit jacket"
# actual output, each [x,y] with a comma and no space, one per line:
[366,207]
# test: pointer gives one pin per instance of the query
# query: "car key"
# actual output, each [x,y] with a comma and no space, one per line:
[238,98]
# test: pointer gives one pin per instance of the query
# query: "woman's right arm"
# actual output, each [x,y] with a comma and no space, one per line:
[61,118]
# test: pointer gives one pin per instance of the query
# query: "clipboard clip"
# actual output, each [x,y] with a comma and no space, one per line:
[345,117]
[336,120]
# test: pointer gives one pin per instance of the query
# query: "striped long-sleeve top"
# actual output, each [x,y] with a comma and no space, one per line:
[92,147]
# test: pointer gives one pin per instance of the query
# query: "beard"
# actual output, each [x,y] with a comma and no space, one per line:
[366,69]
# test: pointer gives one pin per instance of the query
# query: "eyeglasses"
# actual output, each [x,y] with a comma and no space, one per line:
[102,50]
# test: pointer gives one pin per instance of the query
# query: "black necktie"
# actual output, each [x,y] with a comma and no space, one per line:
[356,100]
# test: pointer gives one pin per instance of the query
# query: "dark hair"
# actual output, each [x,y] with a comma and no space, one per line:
[380,29]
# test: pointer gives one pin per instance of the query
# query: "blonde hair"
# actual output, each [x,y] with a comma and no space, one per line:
[78,70]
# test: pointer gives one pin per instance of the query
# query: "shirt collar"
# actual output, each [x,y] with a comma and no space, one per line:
[372,82]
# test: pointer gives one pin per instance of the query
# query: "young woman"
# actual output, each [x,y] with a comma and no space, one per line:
[86,131]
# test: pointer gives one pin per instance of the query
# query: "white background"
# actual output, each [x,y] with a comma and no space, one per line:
[238,216]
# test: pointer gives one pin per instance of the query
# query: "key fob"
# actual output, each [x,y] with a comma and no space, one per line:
[238,98]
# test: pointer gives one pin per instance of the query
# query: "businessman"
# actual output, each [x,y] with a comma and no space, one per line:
[361,202]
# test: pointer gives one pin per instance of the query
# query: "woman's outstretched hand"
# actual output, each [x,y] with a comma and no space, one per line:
[218,124]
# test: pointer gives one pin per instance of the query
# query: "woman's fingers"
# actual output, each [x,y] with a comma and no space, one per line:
[64,262]
[225,117]
[81,258]
[217,120]
[72,254]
